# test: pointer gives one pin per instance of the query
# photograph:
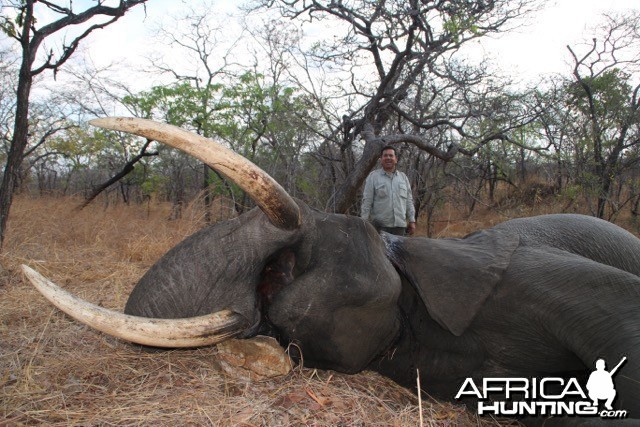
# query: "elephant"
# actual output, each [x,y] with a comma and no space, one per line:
[530,298]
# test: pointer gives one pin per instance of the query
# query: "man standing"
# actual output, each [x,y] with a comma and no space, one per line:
[387,200]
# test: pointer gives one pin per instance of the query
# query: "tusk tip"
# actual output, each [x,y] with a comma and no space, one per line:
[28,271]
[98,122]
[37,280]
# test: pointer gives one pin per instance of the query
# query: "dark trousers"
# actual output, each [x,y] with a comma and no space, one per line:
[398,231]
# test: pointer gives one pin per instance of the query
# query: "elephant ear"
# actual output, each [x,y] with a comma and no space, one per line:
[453,277]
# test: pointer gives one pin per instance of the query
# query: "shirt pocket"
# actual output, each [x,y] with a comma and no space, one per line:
[403,191]
[381,191]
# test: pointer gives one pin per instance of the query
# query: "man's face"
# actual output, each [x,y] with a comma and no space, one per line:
[389,160]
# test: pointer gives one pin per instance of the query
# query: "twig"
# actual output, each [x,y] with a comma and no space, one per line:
[419,397]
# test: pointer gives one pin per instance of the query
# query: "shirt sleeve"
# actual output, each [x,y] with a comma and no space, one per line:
[367,199]
[411,209]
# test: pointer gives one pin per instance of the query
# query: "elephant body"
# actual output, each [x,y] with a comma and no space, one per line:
[568,295]
[531,297]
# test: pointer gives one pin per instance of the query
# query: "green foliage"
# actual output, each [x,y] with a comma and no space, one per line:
[10,27]
[239,113]
[180,104]
[258,119]
[458,25]
[601,108]
[80,145]
[601,123]
[152,183]
[609,95]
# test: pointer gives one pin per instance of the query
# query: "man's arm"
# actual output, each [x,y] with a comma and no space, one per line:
[367,199]
[411,209]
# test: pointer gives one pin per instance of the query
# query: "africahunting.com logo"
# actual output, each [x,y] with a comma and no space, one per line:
[547,396]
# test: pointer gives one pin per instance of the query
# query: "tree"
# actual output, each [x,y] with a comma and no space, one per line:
[185,105]
[48,118]
[606,105]
[249,108]
[27,30]
[194,100]
[94,93]
[415,88]
[8,77]
[126,170]
[254,116]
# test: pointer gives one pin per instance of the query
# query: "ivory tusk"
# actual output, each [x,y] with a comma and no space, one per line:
[275,202]
[188,332]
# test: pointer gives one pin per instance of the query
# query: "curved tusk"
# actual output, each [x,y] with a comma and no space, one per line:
[188,332]
[280,208]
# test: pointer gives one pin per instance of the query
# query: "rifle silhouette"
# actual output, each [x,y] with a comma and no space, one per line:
[613,371]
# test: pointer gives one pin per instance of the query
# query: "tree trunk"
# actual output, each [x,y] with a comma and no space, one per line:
[30,39]
[523,166]
[208,200]
[635,207]
[346,194]
[603,194]
[126,170]
[20,130]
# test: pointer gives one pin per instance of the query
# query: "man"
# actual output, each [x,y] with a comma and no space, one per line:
[387,200]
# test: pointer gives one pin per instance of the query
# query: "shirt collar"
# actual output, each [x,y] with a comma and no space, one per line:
[390,174]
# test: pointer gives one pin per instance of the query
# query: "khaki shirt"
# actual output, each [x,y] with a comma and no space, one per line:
[387,200]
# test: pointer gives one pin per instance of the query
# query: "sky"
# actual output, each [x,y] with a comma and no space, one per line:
[540,47]
[537,48]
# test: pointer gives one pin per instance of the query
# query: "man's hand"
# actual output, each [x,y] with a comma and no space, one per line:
[411,228]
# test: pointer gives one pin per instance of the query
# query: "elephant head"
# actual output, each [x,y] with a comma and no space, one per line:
[320,280]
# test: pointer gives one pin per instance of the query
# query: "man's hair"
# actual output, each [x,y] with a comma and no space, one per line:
[389,147]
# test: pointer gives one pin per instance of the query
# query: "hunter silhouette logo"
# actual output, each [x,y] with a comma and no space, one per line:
[600,384]
[547,396]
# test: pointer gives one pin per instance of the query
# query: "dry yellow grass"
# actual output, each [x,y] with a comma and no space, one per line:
[55,371]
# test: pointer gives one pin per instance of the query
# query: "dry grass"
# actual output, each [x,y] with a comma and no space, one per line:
[530,199]
[56,371]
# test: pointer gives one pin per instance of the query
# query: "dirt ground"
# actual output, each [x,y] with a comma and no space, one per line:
[56,371]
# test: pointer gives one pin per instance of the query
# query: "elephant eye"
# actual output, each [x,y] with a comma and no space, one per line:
[277,273]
